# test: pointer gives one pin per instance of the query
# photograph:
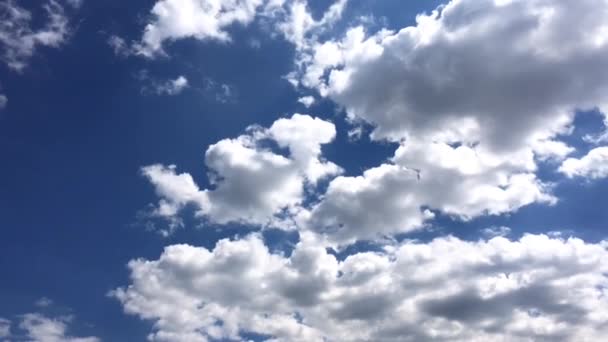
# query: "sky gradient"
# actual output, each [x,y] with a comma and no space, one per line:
[292,170]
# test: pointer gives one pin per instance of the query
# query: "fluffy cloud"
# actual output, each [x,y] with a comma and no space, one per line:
[40,328]
[199,19]
[152,85]
[251,183]
[19,39]
[474,60]
[593,165]
[461,181]
[210,19]
[172,87]
[307,101]
[43,329]
[300,28]
[454,92]
[533,289]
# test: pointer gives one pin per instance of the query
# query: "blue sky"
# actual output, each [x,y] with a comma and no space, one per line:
[292,170]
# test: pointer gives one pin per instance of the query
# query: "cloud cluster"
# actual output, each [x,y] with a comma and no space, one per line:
[594,165]
[533,289]
[477,93]
[40,328]
[199,19]
[210,19]
[251,182]
[517,70]
[20,40]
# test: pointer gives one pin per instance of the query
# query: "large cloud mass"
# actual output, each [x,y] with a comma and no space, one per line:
[533,289]
[516,69]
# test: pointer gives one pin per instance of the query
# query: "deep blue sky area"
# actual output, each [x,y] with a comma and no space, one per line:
[78,128]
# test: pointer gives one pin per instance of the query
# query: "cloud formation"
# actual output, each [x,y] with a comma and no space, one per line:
[251,183]
[594,165]
[40,328]
[536,288]
[20,40]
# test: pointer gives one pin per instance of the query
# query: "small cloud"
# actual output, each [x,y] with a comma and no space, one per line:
[491,232]
[44,302]
[222,92]
[307,101]
[155,86]
[119,46]
[173,87]
[3,101]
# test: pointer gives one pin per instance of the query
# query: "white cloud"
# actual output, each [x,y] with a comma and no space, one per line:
[478,60]
[594,165]
[20,40]
[463,181]
[454,92]
[172,87]
[307,101]
[211,19]
[251,184]
[44,302]
[40,328]
[119,46]
[495,231]
[534,289]
[199,19]
[300,28]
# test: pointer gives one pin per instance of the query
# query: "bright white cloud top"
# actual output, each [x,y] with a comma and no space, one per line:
[533,289]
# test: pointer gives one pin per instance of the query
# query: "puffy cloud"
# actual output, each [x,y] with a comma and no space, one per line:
[307,101]
[19,39]
[152,85]
[251,183]
[40,328]
[199,19]
[210,19]
[594,165]
[478,60]
[119,46]
[300,28]
[454,92]
[461,181]
[172,87]
[533,289]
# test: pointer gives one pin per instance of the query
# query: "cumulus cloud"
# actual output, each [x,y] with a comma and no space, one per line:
[307,101]
[20,40]
[210,20]
[172,87]
[251,183]
[594,165]
[199,19]
[462,181]
[300,28]
[533,289]
[454,91]
[152,85]
[478,60]
[44,329]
